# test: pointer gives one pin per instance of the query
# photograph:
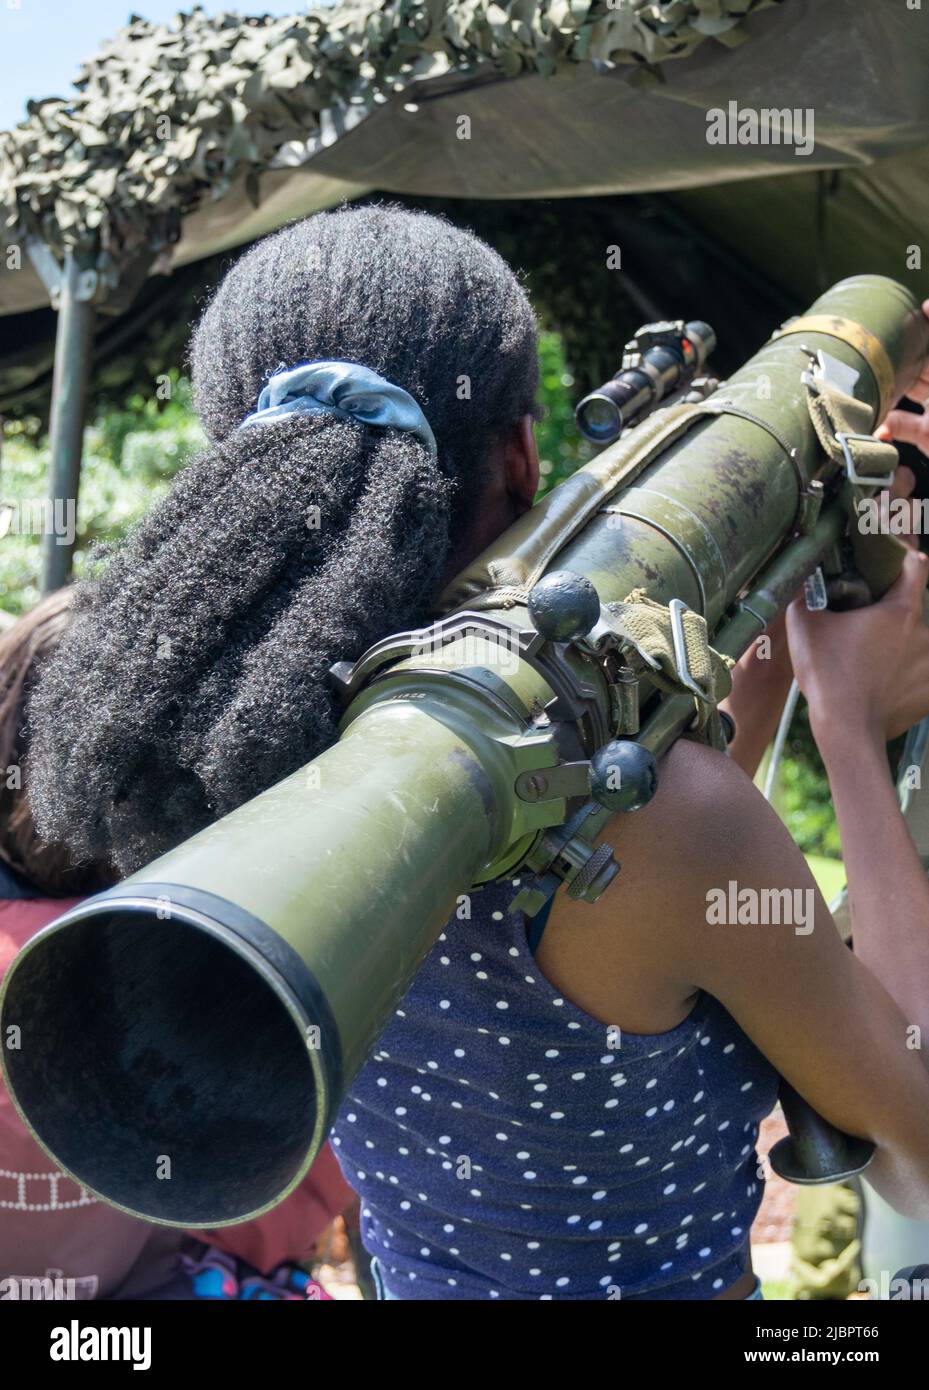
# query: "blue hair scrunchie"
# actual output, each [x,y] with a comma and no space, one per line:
[345,389]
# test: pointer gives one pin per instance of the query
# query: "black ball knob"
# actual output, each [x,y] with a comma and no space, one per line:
[623,775]
[563,606]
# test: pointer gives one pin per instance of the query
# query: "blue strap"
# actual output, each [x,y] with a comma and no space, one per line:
[535,926]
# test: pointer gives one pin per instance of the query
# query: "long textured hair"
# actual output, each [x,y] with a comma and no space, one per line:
[195,672]
[24,648]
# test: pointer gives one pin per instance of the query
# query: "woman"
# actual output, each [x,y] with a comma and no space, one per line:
[503,1147]
[53,1234]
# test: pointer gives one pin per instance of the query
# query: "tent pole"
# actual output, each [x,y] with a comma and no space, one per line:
[74,341]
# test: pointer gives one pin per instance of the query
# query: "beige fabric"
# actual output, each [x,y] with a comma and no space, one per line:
[878,557]
[646,627]
[831,411]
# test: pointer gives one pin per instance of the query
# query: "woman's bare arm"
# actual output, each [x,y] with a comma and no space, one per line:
[824,1019]
[888,887]
[844,1029]
[866,679]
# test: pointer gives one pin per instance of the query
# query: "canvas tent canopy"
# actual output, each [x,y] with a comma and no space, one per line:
[184,141]
[201,137]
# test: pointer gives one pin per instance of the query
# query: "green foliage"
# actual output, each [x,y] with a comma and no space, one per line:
[804,803]
[130,455]
[561,448]
[808,812]
[149,438]
[801,799]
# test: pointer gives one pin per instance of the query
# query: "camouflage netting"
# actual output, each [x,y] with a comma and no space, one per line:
[602,153]
[166,117]
[555,246]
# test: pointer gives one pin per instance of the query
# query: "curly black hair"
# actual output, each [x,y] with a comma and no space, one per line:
[194,674]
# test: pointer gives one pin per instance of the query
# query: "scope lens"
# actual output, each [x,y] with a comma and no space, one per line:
[599,419]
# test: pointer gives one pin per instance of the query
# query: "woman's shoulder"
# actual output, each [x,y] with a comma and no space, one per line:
[706,817]
[630,957]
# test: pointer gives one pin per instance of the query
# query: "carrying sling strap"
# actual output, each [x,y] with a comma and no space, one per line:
[671,647]
[842,426]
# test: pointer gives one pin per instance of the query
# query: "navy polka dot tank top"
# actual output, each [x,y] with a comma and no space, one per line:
[506,1145]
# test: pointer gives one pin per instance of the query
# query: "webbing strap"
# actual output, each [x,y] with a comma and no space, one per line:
[648,629]
[535,926]
[843,428]
[834,413]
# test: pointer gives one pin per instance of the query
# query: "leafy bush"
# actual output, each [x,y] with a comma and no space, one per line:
[130,455]
[804,803]
[561,448]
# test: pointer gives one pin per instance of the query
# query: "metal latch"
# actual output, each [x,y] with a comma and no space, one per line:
[677,608]
[879,480]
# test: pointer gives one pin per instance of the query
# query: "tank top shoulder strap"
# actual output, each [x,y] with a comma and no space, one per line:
[535,926]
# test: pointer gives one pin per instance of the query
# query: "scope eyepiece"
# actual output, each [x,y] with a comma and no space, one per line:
[660,359]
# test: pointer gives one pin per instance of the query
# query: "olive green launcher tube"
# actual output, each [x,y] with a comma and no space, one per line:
[185,1038]
[701,520]
[180,1043]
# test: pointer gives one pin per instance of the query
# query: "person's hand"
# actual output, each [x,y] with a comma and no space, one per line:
[904,426]
[865,673]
